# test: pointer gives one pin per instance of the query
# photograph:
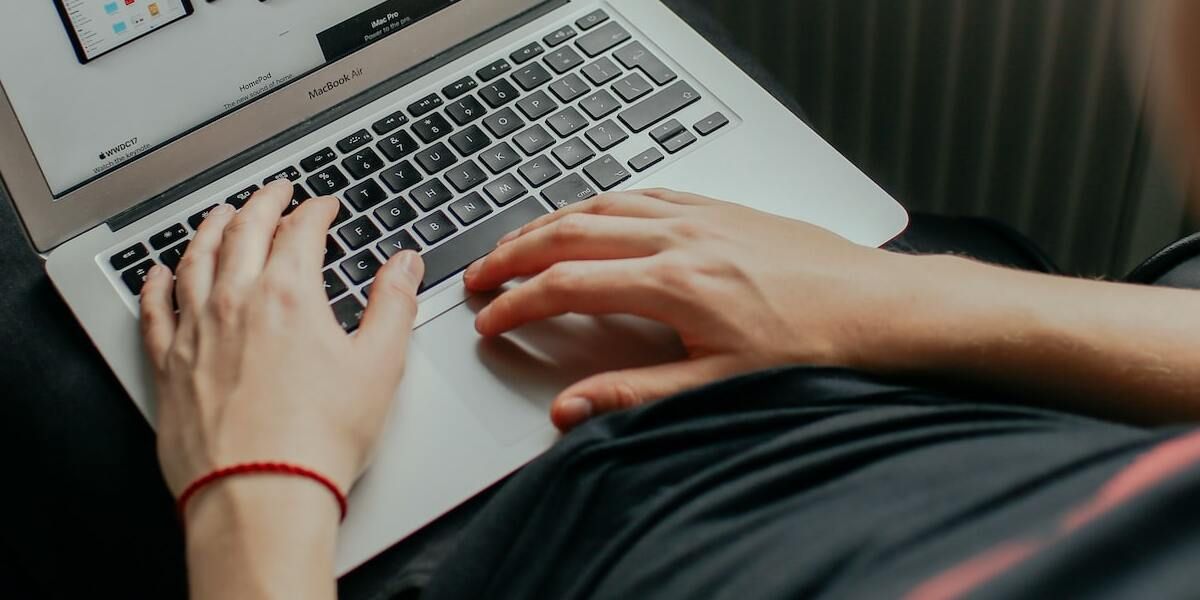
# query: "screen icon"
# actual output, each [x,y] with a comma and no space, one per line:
[153,9]
[111,8]
[120,27]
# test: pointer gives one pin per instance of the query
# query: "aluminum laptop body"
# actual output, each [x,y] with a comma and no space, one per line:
[469,411]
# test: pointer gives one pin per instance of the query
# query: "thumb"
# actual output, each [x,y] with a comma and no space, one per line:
[622,390]
[392,306]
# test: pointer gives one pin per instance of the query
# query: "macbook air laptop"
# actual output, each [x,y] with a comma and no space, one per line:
[440,125]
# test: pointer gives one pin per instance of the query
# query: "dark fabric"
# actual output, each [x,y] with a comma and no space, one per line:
[980,238]
[1177,266]
[821,484]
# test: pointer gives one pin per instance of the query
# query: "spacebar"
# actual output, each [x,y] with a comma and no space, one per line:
[445,261]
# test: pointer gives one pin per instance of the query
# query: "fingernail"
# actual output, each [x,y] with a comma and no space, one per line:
[155,271]
[222,209]
[473,270]
[280,183]
[575,410]
[410,262]
[508,237]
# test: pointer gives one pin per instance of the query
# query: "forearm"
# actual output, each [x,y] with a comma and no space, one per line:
[1119,351]
[261,537]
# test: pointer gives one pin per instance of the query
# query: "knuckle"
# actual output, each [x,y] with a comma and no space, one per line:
[689,230]
[226,304]
[605,204]
[675,276]
[282,291]
[571,228]
[559,279]
[626,396]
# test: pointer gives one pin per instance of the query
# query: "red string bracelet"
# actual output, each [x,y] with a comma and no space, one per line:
[261,467]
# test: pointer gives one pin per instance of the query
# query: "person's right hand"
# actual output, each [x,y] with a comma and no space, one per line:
[744,290]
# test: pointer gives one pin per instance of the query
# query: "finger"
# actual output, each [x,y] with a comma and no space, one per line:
[681,198]
[247,238]
[587,288]
[197,268]
[622,390]
[299,246]
[578,237]
[392,308]
[158,315]
[615,204]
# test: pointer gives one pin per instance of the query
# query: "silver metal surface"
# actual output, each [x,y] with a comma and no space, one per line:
[49,222]
[469,411]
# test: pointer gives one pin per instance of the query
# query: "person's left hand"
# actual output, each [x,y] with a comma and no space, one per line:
[255,367]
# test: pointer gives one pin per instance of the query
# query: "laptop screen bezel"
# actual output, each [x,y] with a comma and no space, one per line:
[50,221]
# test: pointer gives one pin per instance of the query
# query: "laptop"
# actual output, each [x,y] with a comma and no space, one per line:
[440,125]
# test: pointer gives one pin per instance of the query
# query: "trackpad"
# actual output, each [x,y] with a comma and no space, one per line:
[509,382]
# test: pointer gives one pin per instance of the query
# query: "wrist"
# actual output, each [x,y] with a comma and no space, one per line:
[261,535]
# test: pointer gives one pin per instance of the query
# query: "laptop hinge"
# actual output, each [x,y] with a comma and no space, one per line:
[136,213]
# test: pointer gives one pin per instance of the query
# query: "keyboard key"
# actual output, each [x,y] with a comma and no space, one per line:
[198,218]
[362,163]
[567,121]
[401,176]
[570,190]
[365,195]
[531,77]
[646,160]
[498,94]
[470,208]
[466,110]
[435,228]
[679,142]
[240,199]
[398,243]
[500,158]
[290,174]
[397,145]
[602,71]
[606,135]
[569,88]
[431,195]
[329,181]
[600,104]
[162,239]
[661,105]
[632,87]
[536,105]
[504,190]
[711,123]
[361,267]
[334,286]
[171,256]
[444,262]
[460,87]
[607,172]
[333,251]
[129,256]
[527,53]
[389,123]
[436,158]
[560,36]
[591,20]
[564,59]
[601,40]
[534,140]
[349,313]
[494,70]
[635,55]
[503,123]
[470,140]
[359,233]
[135,277]
[432,128]
[466,176]
[395,214]
[666,131]
[355,141]
[539,171]
[299,195]
[425,105]
[573,153]
[318,159]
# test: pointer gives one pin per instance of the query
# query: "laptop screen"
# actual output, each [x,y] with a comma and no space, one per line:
[97,83]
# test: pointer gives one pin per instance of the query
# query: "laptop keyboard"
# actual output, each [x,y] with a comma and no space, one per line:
[454,171]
